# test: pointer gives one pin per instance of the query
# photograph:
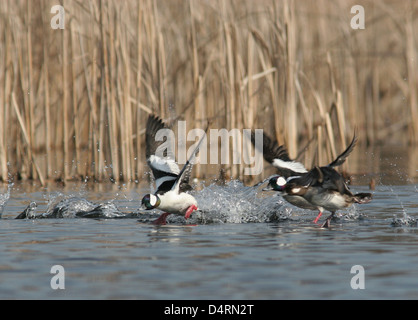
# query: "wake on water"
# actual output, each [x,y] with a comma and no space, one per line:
[230,203]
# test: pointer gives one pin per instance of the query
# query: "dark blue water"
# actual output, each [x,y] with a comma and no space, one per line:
[244,246]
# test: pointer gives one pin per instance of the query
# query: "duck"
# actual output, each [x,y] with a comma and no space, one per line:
[172,184]
[320,188]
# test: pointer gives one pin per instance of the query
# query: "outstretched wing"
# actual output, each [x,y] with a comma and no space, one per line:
[278,157]
[164,169]
[154,125]
[165,172]
[182,182]
[343,156]
[323,177]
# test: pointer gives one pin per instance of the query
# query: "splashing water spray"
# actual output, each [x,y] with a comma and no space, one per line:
[405,219]
[5,197]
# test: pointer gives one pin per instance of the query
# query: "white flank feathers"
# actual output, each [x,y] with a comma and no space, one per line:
[176,203]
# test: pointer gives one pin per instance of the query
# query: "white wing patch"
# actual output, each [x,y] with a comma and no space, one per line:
[163,164]
[292,165]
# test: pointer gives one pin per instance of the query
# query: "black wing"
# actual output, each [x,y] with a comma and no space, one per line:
[271,149]
[323,177]
[164,169]
[155,124]
[341,158]
[279,157]
[182,181]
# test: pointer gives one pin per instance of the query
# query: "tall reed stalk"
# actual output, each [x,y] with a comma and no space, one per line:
[74,101]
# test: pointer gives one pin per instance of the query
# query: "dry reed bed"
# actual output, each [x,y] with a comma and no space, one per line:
[74,102]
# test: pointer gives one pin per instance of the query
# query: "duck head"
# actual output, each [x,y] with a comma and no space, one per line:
[277,183]
[151,201]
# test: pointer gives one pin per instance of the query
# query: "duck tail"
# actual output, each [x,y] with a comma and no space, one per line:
[363,197]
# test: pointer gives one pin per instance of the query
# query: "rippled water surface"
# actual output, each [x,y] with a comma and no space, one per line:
[241,245]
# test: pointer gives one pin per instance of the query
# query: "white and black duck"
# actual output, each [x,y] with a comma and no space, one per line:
[321,188]
[172,184]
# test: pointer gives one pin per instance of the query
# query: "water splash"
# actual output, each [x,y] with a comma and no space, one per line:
[74,207]
[236,203]
[5,197]
[29,212]
[69,208]
[405,219]
[351,214]
[230,203]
